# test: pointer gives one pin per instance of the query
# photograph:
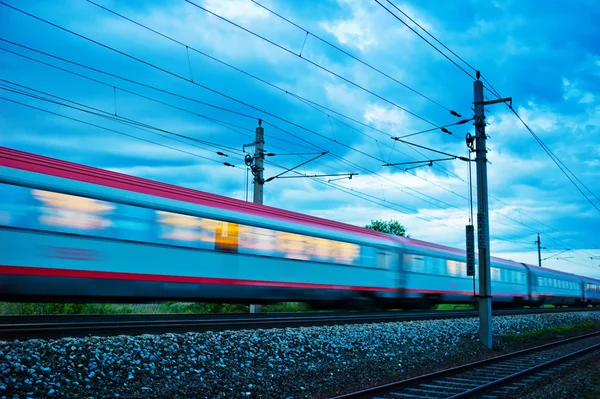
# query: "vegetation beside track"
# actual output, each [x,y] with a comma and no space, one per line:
[13,309]
[10,309]
[550,332]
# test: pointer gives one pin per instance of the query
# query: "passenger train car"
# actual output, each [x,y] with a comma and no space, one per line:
[70,232]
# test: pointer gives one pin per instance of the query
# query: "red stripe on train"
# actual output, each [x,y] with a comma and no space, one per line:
[72,273]
[163,278]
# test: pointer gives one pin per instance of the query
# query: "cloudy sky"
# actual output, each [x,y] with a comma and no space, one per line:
[211,80]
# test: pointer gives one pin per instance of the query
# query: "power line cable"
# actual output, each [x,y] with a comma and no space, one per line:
[149,141]
[362,195]
[231,126]
[312,63]
[355,58]
[496,93]
[421,36]
[110,130]
[202,86]
[119,119]
[552,156]
[433,37]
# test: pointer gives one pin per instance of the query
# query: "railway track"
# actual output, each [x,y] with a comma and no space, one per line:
[27,327]
[494,378]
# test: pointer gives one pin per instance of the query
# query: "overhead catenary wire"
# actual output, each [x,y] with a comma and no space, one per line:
[362,195]
[497,94]
[558,162]
[119,119]
[421,36]
[313,63]
[207,88]
[340,158]
[155,143]
[264,81]
[355,58]
[109,129]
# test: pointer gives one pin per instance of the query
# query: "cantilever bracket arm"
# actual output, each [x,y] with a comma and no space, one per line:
[500,100]
[414,162]
[295,167]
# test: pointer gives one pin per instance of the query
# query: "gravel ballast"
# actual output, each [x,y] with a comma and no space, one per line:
[307,362]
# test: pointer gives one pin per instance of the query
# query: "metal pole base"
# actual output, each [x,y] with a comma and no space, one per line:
[485,326]
[255,308]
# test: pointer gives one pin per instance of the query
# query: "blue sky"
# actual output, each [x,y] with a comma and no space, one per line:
[545,55]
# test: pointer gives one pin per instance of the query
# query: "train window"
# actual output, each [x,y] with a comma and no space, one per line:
[435,265]
[387,260]
[455,268]
[414,263]
[65,213]
[495,274]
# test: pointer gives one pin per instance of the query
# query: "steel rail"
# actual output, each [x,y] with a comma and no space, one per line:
[26,327]
[479,388]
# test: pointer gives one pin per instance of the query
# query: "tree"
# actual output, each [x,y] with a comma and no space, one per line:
[389,227]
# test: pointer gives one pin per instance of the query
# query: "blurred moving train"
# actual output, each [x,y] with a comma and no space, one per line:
[70,232]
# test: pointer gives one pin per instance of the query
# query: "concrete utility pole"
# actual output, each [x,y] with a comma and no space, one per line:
[259,181]
[483,219]
[483,228]
[539,245]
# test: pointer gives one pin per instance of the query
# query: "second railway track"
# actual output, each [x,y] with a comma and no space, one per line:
[27,327]
[492,378]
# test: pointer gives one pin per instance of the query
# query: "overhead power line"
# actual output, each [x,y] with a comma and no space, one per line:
[340,158]
[363,196]
[454,113]
[313,63]
[109,129]
[495,92]
[421,36]
[119,119]
[558,162]
[359,195]
[298,97]
[433,37]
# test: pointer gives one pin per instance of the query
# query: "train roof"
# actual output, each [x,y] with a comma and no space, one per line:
[55,167]
[411,242]
[538,269]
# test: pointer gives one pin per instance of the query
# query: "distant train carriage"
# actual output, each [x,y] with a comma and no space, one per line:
[554,287]
[434,274]
[509,283]
[591,291]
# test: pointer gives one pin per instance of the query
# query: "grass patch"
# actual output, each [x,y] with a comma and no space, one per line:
[15,309]
[554,330]
[450,306]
